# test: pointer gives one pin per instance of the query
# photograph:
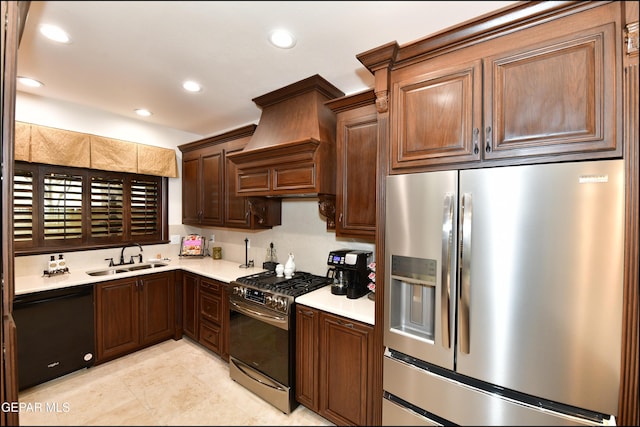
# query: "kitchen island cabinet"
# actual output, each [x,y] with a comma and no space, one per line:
[552,95]
[132,313]
[338,384]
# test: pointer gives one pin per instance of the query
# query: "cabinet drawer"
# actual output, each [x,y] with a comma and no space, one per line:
[279,179]
[210,287]
[293,177]
[210,336]
[253,180]
[210,307]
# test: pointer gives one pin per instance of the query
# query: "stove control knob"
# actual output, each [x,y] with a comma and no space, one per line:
[282,303]
[270,300]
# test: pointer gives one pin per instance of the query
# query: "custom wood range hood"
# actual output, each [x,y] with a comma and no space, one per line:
[292,153]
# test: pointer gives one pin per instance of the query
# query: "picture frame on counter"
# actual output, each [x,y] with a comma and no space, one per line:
[192,245]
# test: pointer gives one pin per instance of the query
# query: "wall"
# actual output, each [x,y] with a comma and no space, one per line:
[303,230]
[65,115]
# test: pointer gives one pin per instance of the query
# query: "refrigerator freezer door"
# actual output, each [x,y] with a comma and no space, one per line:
[459,404]
[545,280]
[420,254]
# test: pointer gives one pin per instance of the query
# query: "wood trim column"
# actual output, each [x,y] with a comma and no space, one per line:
[380,61]
[628,409]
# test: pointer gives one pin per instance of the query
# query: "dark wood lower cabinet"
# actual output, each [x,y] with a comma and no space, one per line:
[190,305]
[206,312]
[133,313]
[307,337]
[337,385]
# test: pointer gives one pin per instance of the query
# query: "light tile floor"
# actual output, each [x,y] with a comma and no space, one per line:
[170,384]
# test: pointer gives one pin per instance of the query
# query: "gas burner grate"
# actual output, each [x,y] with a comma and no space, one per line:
[301,282]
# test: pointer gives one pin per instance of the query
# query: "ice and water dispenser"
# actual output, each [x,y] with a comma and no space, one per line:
[412,293]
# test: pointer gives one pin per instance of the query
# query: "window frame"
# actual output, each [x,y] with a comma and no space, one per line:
[39,245]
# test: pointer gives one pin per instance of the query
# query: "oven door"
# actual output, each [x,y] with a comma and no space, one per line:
[261,352]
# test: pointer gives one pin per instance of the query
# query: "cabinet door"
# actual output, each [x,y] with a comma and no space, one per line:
[191,193]
[212,186]
[236,212]
[117,318]
[157,307]
[345,370]
[436,114]
[190,305]
[224,323]
[555,97]
[357,146]
[307,321]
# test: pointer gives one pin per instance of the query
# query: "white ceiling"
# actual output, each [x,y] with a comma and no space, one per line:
[133,54]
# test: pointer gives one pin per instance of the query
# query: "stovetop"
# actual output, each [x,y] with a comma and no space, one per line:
[300,284]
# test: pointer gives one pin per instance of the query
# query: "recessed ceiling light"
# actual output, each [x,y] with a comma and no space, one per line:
[191,86]
[54,33]
[143,112]
[282,39]
[29,82]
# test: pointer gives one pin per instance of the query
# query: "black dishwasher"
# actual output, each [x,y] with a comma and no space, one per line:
[55,332]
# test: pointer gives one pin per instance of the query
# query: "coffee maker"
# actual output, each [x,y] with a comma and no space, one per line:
[350,272]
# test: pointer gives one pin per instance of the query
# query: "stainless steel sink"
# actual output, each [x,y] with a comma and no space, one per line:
[125,269]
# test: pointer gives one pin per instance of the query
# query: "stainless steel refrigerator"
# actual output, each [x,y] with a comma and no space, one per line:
[503,295]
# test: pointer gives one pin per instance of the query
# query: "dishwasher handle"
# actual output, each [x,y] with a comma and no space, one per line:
[52,295]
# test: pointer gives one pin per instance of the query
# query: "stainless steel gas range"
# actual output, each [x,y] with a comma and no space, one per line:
[262,333]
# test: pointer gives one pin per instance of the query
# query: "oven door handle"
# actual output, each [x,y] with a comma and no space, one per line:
[256,376]
[277,321]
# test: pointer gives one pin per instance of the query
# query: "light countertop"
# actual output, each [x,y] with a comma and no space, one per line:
[361,309]
[223,270]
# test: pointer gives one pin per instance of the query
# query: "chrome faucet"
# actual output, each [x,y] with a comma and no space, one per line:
[131,261]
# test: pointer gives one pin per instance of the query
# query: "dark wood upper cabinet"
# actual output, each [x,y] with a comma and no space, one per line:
[202,186]
[554,97]
[209,185]
[545,93]
[438,113]
[357,150]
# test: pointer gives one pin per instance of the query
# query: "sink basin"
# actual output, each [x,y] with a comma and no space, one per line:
[106,272]
[125,269]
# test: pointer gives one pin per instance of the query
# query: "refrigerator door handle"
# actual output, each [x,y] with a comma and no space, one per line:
[445,292]
[465,273]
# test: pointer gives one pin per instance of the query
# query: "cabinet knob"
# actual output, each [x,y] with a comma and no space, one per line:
[348,325]
[488,140]
[476,132]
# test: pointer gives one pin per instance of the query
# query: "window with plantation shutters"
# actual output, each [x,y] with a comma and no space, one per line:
[23,205]
[107,207]
[62,203]
[144,207]
[61,208]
